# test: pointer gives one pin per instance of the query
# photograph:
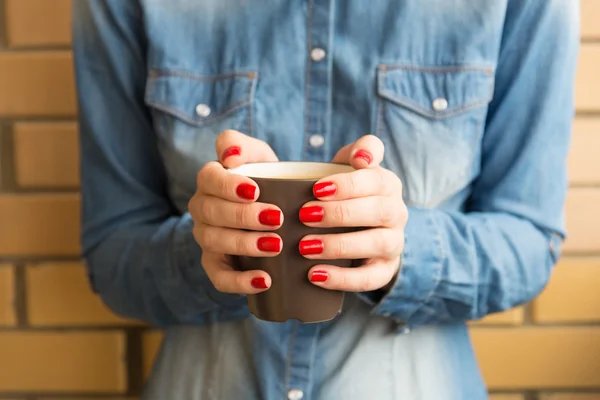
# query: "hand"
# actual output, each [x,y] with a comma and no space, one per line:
[224,206]
[368,197]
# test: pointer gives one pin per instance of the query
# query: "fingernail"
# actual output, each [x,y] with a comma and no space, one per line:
[324,189]
[270,217]
[319,276]
[258,283]
[311,214]
[269,244]
[246,191]
[310,247]
[231,151]
[365,155]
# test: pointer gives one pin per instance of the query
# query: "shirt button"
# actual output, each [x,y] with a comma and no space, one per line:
[203,110]
[405,331]
[316,140]
[295,394]
[440,104]
[317,54]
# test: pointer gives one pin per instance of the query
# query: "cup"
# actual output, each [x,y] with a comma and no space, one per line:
[289,185]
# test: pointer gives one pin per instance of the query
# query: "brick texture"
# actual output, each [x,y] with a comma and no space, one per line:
[7,295]
[510,317]
[588,79]
[585,142]
[570,396]
[583,225]
[38,22]
[150,346]
[590,29]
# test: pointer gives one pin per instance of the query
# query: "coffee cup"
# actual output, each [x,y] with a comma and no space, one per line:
[289,185]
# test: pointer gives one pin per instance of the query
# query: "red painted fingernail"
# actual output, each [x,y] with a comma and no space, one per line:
[231,151]
[258,283]
[311,214]
[270,217]
[324,189]
[365,155]
[309,247]
[319,276]
[246,191]
[270,244]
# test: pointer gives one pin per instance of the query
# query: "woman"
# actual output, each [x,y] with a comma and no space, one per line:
[472,102]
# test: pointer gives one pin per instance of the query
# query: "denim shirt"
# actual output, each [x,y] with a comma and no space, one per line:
[473,101]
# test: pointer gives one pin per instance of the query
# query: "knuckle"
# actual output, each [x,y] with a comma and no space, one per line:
[339,248]
[341,214]
[364,284]
[205,239]
[386,212]
[205,208]
[240,244]
[219,282]
[386,243]
[241,215]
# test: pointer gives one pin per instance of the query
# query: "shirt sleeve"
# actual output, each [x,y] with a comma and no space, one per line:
[140,252]
[500,252]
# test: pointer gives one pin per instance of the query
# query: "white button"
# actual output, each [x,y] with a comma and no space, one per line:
[203,110]
[316,140]
[295,394]
[405,331]
[317,54]
[440,104]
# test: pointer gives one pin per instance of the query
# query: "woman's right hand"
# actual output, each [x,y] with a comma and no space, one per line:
[228,220]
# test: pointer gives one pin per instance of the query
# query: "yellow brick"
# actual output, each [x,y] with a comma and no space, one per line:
[583,220]
[590,12]
[40,224]
[506,397]
[588,79]
[538,357]
[62,362]
[59,294]
[570,396]
[511,317]
[37,84]
[150,345]
[7,298]
[46,154]
[572,294]
[38,22]
[584,164]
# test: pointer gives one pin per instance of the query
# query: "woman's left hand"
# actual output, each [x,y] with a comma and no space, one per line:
[371,197]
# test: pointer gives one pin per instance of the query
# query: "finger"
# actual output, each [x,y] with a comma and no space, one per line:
[235,149]
[366,152]
[360,183]
[370,243]
[236,242]
[214,180]
[343,154]
[372,276]
[375,211]
[215,211]
[225,279]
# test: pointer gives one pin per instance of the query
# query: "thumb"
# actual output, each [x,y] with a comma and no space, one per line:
[366,152]
[235,149]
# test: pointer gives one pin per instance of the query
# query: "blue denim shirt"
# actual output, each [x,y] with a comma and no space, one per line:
[473,100]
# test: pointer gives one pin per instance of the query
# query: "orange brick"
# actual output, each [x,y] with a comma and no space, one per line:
[37,84]
[506,397]
[46,154]
[62,362]
[570,396]
[150,345]
[59,294]
[588,79]
[584,165]
[590,11]
[38,22]
[7,309]
[40,224]
[583,221]
[572,294]
[536,357]
[514,316]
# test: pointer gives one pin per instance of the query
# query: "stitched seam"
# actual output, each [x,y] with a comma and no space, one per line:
[186,118]
[158,73]
[437,69]
[307,80]
[251,110]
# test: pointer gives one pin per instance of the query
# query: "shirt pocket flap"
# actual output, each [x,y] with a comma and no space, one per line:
[199,99]
[436,92]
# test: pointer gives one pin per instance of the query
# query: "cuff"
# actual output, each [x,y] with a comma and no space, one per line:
[419,273]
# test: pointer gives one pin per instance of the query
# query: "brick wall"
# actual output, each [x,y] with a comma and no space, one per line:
[57,341]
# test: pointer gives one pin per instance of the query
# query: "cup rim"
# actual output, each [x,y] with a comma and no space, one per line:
[337,168]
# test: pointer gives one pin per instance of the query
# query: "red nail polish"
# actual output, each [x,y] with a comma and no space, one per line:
[270,217]
[269,244]
[246,191]
[258,283]
[310,247]
[365,155]
[311,214]
[319,276]
[324,189]
[231,151]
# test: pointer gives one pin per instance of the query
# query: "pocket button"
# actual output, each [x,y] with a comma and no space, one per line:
[203,110]
[440,104]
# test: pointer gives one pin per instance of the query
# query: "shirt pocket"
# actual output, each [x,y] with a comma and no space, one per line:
[431,120]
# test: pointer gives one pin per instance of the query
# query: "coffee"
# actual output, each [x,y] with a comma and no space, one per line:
[289,185]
